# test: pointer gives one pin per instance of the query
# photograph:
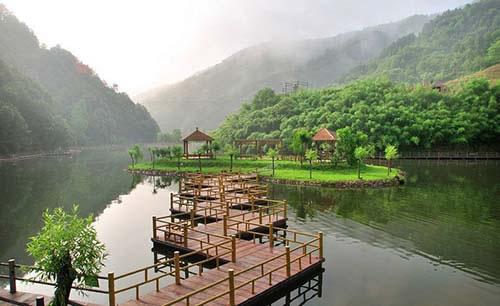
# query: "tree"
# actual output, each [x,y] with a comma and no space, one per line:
[265,98]
[300,141]
[273,153]
[391,152]
[152,155]
[177,153]
[135,154]
[493,55]
[347,142]
[311,155]
[361,154]
[67,249]
[201,151]
[232,151]
[215,147]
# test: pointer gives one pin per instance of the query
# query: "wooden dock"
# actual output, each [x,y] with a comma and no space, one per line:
[224,243]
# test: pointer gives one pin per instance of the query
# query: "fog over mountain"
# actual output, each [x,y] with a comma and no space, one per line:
[153,43]
[207,97]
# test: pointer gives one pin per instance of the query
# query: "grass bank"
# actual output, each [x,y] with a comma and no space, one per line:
[287,170]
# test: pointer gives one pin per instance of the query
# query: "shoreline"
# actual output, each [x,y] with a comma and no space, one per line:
[68,152]
[397,180]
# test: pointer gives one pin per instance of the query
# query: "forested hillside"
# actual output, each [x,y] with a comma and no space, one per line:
[28,119]
[388,113]
[92,112]
[456,43]
[214,93]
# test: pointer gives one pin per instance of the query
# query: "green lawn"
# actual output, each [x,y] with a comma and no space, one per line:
[324,172]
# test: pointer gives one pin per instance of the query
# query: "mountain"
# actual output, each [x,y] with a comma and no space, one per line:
[92,112]
[207,97]
[381,103]
[457,43]
[410,117]
[28,119]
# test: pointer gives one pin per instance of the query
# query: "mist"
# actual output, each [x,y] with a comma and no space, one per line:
[142,46]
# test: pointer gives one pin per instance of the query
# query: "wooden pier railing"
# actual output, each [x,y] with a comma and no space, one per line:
[213,219]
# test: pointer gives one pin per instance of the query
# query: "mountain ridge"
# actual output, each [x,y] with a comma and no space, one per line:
[222,88]
[93,112]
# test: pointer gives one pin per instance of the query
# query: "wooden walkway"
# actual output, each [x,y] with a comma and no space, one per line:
[228,241]
[254,250]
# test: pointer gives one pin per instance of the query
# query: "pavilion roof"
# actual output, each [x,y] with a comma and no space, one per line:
[197,136]
[325,134]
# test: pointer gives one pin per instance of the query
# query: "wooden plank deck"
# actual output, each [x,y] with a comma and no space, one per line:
[242,258]
[249,254]
[260,266]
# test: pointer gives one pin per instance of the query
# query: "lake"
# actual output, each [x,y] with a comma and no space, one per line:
[433,241]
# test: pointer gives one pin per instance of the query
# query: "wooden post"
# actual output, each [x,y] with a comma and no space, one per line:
[225,225]
[271,235]
[154,227]
[12,275]
[320,236]
[231,287]
[111,288]
[286,208]
[233,248]
[184,234]
[40,301]
[288,266]
[260,215]
[192,218]
[172,199]
[177,268]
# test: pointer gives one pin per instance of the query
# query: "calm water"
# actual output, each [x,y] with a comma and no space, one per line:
[434,241]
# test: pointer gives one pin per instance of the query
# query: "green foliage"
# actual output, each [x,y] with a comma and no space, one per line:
[311,155]
[264,98]
[301,140]
[66,104]
[165,152]
[28,116]
[379,112]
[347,142]
[456,43]
[361,154]
[66,249]
[215,147]
[494,53]
[216,92]
[173,137]
[135,154]
[232,152]
[272,153]
[391,153]
[177,152]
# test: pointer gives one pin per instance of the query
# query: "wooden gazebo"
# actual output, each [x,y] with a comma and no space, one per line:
[197,136]
[324,135]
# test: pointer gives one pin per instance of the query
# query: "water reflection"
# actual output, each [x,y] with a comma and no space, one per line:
[434,241]
[447,212]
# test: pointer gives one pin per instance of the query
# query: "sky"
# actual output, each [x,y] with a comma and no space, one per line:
[141,45]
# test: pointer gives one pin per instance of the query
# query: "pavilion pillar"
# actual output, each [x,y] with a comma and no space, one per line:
[186,149]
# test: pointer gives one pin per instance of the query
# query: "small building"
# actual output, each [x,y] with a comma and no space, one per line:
[197,136]
[439,85]
[325,136]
